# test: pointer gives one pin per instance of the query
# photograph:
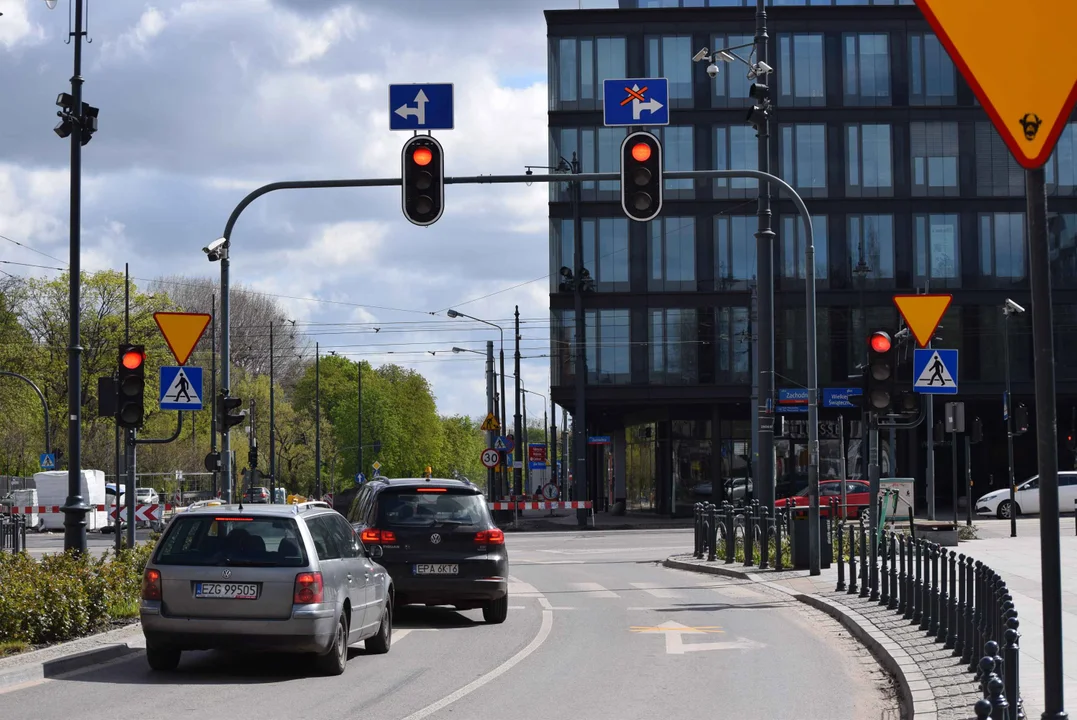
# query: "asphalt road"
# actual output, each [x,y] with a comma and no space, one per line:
[38,544]
[596,629]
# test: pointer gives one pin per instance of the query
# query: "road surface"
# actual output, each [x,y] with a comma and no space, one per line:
[597,628]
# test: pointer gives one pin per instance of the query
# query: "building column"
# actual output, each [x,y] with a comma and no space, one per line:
[620,484]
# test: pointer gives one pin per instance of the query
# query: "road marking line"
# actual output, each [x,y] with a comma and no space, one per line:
[590,589]
[548,562]
[518,588]
[404,632]
[517,607]
[536,642]
[547,606]
[656,590]
[735,591]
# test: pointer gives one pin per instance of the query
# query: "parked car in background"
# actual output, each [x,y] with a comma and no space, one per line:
[1027,497]
[279,578]
[256,495]
[857,497]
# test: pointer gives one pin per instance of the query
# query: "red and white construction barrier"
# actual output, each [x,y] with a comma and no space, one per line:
[555,505]
[502,505]
[155,510]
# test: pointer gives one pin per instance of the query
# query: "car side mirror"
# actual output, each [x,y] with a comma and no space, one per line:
[374,552]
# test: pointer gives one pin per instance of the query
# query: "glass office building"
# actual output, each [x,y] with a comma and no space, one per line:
[909,186]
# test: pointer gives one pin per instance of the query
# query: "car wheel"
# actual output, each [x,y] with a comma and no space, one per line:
[1004,510]
[334,661]
[162,659]
[379,644]
[496,611]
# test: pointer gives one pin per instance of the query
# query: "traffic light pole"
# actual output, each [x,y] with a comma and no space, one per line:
[491,473]
[873,494]
[764,177]
[581,488]
[1007,413]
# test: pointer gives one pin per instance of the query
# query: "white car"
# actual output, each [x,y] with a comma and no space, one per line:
[1027,497]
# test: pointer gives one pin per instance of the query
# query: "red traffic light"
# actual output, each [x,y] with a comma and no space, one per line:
[422,156]
[880,342]
[641,152]
[132,359]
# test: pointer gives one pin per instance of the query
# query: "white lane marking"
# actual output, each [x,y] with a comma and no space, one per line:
[404,632]
[656,590]
[536,642]
[517,607]
[547,562]
[518,588]
[590,589]
[736,591]
[601,551]
[547,606]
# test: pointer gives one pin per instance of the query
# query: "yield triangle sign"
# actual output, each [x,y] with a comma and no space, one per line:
[1029,88]
[181,331]
[922,314]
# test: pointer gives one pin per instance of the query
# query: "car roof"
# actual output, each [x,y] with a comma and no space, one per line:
[271,510]
[407,483]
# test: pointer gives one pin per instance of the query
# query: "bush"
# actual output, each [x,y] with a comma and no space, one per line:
[66,596]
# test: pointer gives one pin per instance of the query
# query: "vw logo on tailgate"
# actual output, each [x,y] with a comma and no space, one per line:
[435,538]
[226,574]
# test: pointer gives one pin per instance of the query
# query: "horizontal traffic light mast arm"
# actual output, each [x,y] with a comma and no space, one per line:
[504,180]
[41,397]
[164,441]
[904,425]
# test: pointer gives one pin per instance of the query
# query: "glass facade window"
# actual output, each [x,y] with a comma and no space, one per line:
[997,173]
[866,69]
[990,361]
[731,88]
[938,251]
[735,148]
[1002,249]
[674,346]
[562,347]
[1065,341]
[1061,167]
[598,150]
[791,350]
[1062,244]
[933,147]
[670,56]
[792,244]
[578,65]
[735,262]
[671,247]
[605,252]
[932,78]
[803,156]
[871,251]
[678,153]
[608,347]
[801,76]
[734,340]
[869,167]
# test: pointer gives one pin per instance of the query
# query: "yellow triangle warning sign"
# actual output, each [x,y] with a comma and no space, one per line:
[181,331]
[922,314]
[490,424]
[1030,89]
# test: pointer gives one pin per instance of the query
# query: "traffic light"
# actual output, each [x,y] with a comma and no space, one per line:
[131,379]
[1020,419]
[977,433]
[641,176]
[908,402]
[881,371]
[760,110]
[423,175]
[226,419]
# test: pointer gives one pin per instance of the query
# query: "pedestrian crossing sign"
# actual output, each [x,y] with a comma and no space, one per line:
[935,371]
[181,388]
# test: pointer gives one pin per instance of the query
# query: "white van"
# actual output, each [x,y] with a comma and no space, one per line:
[52,494]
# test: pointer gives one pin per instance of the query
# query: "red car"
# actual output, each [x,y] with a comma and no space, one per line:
[857,497]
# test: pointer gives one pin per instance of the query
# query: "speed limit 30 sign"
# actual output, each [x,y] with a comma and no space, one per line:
[490,457]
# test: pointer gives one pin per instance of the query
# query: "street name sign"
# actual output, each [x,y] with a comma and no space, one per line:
[181,388]
[934,371]
[922,314]
[1027,83]
[635,102]
[182,331]
[427,106]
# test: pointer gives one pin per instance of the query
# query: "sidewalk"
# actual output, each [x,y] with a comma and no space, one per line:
[562,520]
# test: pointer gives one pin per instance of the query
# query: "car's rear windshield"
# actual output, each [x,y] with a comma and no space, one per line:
[411,508]
[232,541]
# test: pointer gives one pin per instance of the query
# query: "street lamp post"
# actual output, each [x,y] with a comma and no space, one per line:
[490,404]
[1009,308]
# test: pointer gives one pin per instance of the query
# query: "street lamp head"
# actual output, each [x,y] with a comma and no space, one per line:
[453,314]
[50,4]
[1012,307]
[457,350]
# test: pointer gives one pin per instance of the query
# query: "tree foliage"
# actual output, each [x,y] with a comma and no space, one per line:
[399,411]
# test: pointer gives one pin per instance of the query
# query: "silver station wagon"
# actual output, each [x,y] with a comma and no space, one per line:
[278,578]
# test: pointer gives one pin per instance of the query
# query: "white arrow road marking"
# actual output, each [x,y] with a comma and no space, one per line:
[675,645]
[651,106]
[418,112]
[656,590]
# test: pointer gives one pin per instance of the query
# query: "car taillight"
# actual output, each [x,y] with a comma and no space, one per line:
[373,536]
[490,537]
[151,585]
[308,588]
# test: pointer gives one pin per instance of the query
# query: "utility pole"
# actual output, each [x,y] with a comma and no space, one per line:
[490,408]
[765,279]
[579,413]
[526,442]
[252,452]
[272,424]
[213,390]
[517,465]
[359,366]
[317,422]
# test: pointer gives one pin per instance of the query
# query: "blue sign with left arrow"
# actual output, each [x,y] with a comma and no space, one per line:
[421,106]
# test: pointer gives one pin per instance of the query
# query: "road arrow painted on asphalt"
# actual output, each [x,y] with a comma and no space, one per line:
[419,111]
[675,632]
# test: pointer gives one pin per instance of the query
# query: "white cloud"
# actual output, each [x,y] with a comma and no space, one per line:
[312,39]
[16,29]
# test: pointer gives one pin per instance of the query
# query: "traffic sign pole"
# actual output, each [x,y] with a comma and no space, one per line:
[490,476]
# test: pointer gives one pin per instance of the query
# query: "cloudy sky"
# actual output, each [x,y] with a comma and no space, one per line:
[203,100]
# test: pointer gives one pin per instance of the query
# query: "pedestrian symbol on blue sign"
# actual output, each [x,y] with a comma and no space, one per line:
[47,461]
[181,388]
[935,371]
[421,107]
[635,102]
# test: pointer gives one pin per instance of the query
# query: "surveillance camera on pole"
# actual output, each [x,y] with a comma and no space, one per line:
[216,250]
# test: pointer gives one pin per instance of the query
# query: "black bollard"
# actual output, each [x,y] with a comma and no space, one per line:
[916,599]
[731,534]
[985,668]
[841,559]
[959,622]
[852,560]
[895,586]
[951,610]
[779,521]
[933,601]
[976,634]
[925,587]
[943,603]
[764,544]
[697,551]
[712,532]
[982,709]
[968,640]
[1012,667]
[1000,707]
[865,578]
[884,575]
[749,535]
[905,580]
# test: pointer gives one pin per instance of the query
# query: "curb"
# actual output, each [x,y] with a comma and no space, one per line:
[915,694]
[29,670]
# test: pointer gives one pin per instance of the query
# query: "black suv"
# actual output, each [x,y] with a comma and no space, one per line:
[440,544]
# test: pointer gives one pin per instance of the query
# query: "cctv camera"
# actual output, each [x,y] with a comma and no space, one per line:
[761,68]
[701,55]
[1013,307]
[712,70]
[216,249]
